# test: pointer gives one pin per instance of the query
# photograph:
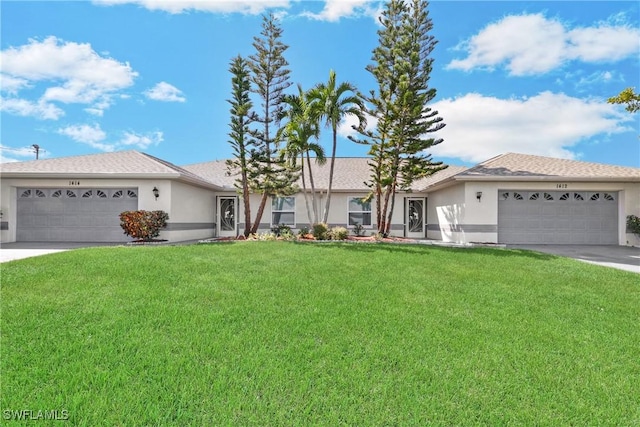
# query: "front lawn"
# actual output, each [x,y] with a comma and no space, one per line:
[279,333]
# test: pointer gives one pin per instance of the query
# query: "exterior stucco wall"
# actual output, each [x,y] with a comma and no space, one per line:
[456,215]
[191,211]
[338,214]
[445,213]
[630,199]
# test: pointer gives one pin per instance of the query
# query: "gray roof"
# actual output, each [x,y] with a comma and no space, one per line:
[511,165]
[350,174]
[119,164]
[439,177]
[527,167]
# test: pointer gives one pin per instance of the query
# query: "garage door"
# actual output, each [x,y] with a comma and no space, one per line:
[73,215]
[558,217]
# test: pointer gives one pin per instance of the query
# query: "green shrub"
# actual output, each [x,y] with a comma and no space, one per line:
[268,236]
[287,235]
[303,231]
[320,231]
[633,224]
[358,230]
[338,233]
[281,229]
[144,225]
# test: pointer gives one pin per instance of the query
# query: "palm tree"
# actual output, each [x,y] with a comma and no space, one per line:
[331,103]
[299,129]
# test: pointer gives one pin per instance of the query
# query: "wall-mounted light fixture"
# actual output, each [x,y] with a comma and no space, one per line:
[479,195]
[156,192]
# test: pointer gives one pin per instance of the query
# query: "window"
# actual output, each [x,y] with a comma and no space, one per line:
[359,212]
[283,211]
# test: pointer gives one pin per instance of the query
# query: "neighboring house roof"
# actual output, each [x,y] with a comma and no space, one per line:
[350,174]
[215,172]
[120,164]
[439,176]
[526,167]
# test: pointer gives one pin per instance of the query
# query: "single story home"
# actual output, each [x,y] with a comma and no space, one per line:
[511,198]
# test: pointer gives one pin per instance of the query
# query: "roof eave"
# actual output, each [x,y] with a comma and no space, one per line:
[92,175]
[88,175]
[548,178]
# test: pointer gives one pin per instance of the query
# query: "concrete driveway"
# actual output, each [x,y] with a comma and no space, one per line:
[620,257]
[20,250]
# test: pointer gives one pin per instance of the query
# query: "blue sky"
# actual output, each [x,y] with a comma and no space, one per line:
[82,77]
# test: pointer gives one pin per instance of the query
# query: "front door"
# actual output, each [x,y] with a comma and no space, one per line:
[227,217]
[415,218]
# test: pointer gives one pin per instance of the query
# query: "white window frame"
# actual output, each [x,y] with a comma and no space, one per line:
[274,211]
[349,212]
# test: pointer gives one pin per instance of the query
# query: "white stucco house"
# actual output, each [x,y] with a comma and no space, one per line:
[512,198]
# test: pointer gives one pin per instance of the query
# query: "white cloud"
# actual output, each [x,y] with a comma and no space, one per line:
[534,44]
[334,10]
[95,137]
[598,78]
[480,127]
[11,84]
[345,128]
[90,135]
[74,72]
[142,141]
[252,7]
[163,91]
[8,154]
[95,111]
[21,107]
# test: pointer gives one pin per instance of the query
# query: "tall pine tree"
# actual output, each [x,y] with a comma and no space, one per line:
[271,175]
[242,143]
[401,66]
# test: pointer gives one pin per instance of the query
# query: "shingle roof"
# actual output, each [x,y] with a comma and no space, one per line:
[120,163]
[513,165]
[350,174]
[215,172]
[439,177]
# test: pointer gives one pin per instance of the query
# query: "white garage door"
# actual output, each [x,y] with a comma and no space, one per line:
[73,215]
[558,217]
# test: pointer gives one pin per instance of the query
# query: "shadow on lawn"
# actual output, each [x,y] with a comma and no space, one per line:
[426,249]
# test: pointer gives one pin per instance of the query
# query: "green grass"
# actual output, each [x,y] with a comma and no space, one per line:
[276,333]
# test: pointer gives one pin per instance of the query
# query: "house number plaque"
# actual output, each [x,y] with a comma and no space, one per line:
[74,183]
[562,186]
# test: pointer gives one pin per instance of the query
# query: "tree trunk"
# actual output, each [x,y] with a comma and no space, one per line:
[333,161]
[304,188]
[256,224]
[390,215]
[247,204]
[313,193]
